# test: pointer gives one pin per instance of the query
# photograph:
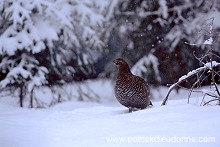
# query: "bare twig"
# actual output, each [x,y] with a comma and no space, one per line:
[201,69]
[203,98]
[198,81]
[217,99]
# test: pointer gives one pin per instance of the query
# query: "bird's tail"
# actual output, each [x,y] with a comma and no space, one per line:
[151,104]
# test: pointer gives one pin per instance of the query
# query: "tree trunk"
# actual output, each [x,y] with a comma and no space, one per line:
[32,97]
[21,95]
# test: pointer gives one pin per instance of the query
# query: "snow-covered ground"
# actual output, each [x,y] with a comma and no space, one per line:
[83,124]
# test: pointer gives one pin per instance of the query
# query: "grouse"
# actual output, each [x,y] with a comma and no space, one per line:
[130,90]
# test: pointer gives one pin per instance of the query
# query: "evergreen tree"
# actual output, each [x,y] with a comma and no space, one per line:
[49,41]
[161,28]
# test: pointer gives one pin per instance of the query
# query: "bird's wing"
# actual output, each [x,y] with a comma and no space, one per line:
[142,82]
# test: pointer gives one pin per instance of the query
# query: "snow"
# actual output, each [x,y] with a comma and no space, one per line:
[214,63]
[44,28]
[82,124]
[142,66]
[87,123]
[108,123]
[164,8]
[14,73]
[208,41]
[207,65]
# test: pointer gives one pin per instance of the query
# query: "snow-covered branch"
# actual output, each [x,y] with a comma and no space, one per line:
[207,66]
[143,65]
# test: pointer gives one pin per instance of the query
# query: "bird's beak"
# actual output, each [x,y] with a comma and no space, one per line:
[114,62]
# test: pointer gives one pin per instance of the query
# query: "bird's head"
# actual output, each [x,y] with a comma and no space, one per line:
[119,62]
[122,65]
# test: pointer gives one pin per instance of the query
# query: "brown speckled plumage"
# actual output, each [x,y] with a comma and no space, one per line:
[130,90]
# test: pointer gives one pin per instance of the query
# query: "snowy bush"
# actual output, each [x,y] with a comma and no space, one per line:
[209,69]
[40,39]
[144,65]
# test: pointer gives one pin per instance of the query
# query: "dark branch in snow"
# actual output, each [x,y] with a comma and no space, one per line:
[186,77]
[217,99]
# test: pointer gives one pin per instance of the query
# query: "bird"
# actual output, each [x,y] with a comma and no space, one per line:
[130,90]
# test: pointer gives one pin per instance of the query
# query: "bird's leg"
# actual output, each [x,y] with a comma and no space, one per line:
[130,109]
